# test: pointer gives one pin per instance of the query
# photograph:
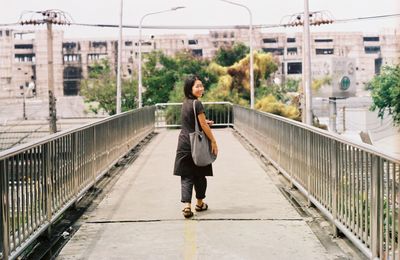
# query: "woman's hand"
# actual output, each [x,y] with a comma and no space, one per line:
[209,122]
[214,148]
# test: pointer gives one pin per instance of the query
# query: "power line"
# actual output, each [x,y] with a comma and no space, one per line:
[202,27]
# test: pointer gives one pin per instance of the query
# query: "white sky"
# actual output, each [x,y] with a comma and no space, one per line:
[202,12]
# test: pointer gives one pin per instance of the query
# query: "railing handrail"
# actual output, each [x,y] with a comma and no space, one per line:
[17,149]
[367,147]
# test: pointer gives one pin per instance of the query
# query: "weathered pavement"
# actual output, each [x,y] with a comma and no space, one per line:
[141,217]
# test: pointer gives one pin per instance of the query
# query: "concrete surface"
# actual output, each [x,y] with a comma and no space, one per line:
[141,218]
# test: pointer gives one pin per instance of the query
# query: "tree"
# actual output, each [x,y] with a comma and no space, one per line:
[386,92]
[162,73]
[100,89]
[227,56]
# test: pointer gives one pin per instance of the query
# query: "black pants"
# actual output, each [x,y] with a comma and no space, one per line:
[187,183]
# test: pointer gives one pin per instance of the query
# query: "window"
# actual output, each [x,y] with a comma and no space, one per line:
[146,43]
[72,57]
[23,46]
[232,34]
[128,43]
[192,42]
[292,51]
[276,51]
[372,49]
[24,57]
[324,51]
[69,45]
[99,44]
[7,33]
[270,40]
[197,52]
[291,40]
[96,56]
[294,68]
[1,33]
[323,40]
[371,39]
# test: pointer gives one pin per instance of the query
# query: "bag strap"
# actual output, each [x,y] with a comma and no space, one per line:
[196,125]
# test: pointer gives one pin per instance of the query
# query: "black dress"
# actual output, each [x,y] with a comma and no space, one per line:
[184,165]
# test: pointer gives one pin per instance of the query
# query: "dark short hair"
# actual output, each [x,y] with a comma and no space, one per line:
[187,88]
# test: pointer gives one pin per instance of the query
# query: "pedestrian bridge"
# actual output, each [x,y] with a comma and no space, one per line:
[355,186]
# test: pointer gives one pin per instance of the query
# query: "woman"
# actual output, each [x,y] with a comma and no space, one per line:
[192,175]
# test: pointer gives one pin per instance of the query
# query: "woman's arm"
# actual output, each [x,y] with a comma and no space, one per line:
[207,130]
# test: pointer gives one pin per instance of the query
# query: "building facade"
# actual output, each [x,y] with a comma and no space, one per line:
[349,59]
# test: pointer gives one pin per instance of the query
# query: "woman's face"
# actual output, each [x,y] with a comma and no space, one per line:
[197,89]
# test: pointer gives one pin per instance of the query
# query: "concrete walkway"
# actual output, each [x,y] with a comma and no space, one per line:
[141,217]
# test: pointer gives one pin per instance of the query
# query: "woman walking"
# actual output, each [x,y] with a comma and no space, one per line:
[192,175]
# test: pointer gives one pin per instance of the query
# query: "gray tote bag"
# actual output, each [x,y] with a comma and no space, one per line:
[200,145]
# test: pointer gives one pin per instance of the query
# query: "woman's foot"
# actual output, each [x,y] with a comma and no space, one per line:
[187,212]
[202,207]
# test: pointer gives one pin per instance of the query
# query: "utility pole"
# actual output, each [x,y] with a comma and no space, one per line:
[48,17]
[303,19]
[50,80]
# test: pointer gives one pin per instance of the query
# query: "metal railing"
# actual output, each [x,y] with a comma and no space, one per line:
[355,185]
[40,180]
[169,114]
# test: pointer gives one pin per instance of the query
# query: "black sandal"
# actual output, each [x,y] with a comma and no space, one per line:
[187,212]
[202,207]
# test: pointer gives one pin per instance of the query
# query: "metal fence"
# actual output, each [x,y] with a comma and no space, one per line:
[169,114]
[355,185]
[40,180]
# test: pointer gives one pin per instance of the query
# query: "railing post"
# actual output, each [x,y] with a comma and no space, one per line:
[291,159]
[4,245]
[376,187]
[48,183]
[334,172]
[308,159]
[93,155]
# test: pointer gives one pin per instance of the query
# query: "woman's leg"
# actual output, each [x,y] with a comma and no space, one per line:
[186,189]
[200,186]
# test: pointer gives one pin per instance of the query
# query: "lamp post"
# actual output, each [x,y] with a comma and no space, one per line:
[251,51]
[119,61]
[307,66]
[140,49]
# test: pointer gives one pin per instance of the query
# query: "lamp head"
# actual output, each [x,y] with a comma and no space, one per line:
[178,7]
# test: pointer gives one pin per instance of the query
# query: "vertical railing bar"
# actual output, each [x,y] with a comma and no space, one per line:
[353,188]
[357,172]
[368,199]
[393,246]
[362,209]
[387,218]
[334,164]
[381,208]
[31,193]
[4,210]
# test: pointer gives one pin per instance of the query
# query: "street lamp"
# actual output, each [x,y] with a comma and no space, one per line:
[140,49]
[118,111]
[307,65]
[251,51]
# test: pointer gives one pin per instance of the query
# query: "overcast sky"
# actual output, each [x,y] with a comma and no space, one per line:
[202,12]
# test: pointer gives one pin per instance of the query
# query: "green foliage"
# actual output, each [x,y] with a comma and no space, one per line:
[162,73]
[386,92]
[318,83]
[271,105]
[100,89]
[292,85]
[227,56]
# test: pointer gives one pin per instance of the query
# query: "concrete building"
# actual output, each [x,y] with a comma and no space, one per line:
[349,59]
